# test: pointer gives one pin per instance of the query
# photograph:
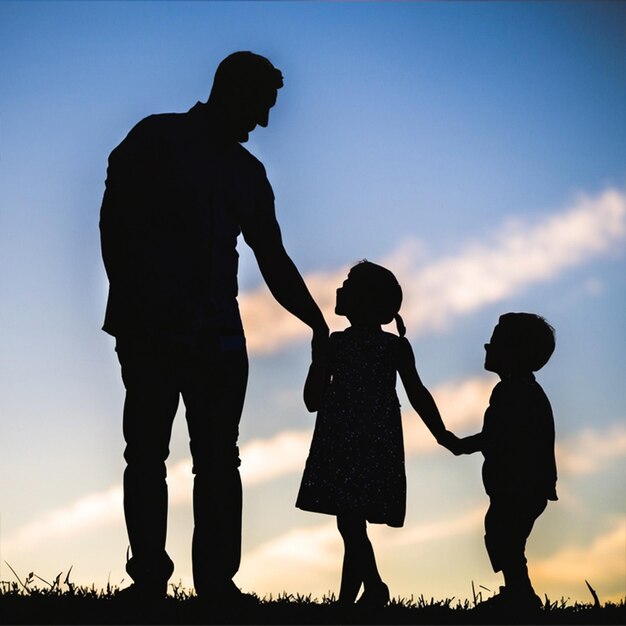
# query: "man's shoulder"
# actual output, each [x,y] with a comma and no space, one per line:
[150,130]
[246,159]
[159,122]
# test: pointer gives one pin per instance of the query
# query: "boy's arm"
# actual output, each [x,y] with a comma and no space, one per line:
[315,384]
[419,397]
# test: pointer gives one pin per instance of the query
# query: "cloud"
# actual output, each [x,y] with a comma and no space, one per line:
[88,513]
[508,261]
[601,562]
[311,555]
[412,534]
[462,404]
[591,450]
[263,460]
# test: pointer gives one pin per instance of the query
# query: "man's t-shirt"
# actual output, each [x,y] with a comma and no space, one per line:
[176,199]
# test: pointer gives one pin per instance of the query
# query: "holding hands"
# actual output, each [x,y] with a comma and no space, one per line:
[451,442]
[464,445]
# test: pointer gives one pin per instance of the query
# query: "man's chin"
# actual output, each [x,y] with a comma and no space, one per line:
[243,137]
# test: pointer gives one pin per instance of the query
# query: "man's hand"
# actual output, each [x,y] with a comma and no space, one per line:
[319,345]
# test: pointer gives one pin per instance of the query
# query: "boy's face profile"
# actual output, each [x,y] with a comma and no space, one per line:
[498,352]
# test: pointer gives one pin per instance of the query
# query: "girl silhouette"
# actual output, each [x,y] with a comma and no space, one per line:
[355,468]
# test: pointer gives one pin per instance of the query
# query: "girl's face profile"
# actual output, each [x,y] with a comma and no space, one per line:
[342,297]
[346,296]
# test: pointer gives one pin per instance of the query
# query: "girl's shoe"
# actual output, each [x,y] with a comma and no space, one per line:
[374,598]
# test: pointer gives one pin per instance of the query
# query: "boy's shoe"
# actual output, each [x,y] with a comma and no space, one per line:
[374,598]
[508,601]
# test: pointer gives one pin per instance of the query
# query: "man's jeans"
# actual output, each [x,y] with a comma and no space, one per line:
[212,381]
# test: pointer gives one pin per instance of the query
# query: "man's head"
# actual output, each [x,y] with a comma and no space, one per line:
[520,343]
[244,90]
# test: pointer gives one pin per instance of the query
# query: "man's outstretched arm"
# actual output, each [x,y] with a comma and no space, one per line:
[287,285]
[284,280]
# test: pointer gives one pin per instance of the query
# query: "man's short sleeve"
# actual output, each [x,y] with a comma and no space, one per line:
[254,203]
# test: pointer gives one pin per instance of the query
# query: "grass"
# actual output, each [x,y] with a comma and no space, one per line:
[34,600]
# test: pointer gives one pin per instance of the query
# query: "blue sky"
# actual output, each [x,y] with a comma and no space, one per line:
[477,149]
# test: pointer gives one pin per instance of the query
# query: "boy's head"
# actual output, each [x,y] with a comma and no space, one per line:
[520,343]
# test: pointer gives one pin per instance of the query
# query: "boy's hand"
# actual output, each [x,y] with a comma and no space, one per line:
[451,442]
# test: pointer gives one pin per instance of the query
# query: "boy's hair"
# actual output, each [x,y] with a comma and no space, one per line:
[530,338]
[381,294]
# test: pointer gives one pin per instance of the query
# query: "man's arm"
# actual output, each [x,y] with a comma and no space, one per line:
[262,233]
[283,278]
[129,189]
[316,381]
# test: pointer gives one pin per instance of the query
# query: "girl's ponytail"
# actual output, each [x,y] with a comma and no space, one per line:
[400,325]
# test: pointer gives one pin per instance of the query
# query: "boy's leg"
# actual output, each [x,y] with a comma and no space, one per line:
[508,524]
[148,372]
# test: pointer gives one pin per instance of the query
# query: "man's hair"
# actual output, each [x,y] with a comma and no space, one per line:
[530,338]
[245,73]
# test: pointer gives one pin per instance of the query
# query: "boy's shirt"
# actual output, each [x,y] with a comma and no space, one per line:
[518,441]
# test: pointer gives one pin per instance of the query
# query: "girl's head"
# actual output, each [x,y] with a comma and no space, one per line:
[370,295]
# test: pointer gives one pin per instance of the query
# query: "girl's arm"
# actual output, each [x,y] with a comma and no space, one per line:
[316,381]
[419,397]
[470,444]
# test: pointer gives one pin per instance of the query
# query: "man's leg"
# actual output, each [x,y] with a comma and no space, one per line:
[149,375]
[213,392]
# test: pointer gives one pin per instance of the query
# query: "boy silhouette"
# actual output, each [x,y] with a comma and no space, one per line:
[517,441]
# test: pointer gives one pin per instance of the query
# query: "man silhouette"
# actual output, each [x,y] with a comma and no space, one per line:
[179,190]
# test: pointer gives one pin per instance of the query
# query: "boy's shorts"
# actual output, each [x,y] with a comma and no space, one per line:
[508,523]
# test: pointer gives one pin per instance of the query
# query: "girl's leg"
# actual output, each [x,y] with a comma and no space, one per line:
[351,571]
[359,565]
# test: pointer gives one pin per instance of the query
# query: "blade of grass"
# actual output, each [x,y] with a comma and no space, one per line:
[43,580]
[596,600]
[18,578]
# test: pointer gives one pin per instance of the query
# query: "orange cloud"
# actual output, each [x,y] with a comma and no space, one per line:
[481,273]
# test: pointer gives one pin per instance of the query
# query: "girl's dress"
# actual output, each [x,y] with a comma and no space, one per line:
[356,459]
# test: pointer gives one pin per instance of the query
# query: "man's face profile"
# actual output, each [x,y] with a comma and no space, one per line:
[251,111]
